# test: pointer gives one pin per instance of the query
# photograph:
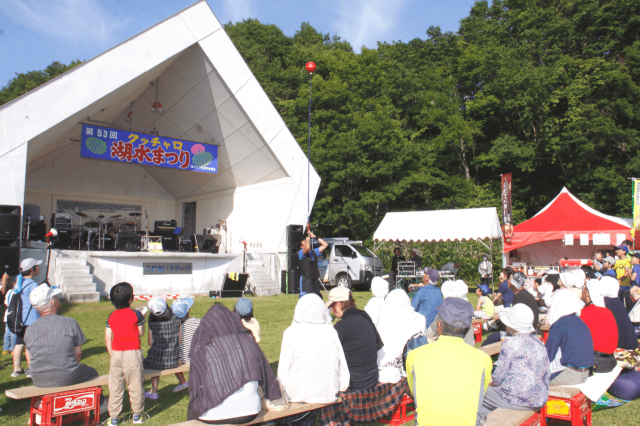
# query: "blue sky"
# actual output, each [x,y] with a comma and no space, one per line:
[34,33]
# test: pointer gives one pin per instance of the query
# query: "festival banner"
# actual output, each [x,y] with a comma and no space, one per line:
[507,218]
[125,146]
[636,206]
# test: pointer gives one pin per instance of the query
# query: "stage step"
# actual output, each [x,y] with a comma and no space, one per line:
[267,290]
[73,270]
[75,279]
[82,297]
[78,288]
[67,261]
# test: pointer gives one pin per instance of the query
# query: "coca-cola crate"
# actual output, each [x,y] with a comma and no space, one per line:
[77,405]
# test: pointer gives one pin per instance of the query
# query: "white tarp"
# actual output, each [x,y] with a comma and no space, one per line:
[440,225]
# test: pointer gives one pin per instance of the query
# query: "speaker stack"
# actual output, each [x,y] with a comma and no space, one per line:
[295,234]
[10,239]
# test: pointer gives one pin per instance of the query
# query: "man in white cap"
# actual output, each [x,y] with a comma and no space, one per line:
[24,286]
[521,379]
[359,338]
[54,343]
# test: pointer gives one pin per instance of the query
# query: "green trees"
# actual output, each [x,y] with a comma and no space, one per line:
[24,82]
[548,90]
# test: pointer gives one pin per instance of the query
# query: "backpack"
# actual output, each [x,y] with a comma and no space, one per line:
[413,343]
[15,321]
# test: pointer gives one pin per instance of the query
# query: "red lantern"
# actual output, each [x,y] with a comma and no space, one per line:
[311,67]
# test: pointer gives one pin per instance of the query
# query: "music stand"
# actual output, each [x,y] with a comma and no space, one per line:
[178,232]
[232,288]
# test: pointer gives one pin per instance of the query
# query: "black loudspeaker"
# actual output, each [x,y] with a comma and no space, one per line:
[294,281]
[206,243]
[128,241]
[295,234]
[283,281]
[37,230]
[10,225]
[9,256]
[232,288]
[63,240]
[294,261]
[186,245]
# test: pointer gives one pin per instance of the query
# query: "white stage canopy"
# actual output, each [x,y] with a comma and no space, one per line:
[440,225]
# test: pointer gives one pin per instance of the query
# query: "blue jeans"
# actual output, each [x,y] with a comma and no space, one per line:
[9,339]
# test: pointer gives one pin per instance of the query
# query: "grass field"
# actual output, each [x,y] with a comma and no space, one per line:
[274,313]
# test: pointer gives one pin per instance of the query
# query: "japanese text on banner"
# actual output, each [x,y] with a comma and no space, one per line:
[150,150]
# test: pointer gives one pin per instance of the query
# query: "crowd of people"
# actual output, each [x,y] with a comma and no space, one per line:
[371,357]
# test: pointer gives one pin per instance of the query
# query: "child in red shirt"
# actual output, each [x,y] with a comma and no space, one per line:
[125,326]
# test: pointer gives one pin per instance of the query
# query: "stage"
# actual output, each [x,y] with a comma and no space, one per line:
[148,273]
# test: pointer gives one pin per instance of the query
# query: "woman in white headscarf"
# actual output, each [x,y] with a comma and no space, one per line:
[312,365]
[397,323]
[380,289]
[569,344]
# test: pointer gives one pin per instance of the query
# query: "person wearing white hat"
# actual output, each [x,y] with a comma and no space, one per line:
[54,344]
[359,338]
[456,290]
[25,284]
[569,344]
[397,323]
[602,326]
[521,378]
[626,334]
[164,338]
[380,289]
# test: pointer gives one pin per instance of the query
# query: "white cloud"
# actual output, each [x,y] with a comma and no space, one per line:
[365,22]
[237,10]
[72,20]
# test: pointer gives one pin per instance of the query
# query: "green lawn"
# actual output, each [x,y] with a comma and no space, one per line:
[275,314]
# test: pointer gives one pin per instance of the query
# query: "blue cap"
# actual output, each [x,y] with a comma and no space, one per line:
[244,306]
[622,247]
[456,312]
[181,307]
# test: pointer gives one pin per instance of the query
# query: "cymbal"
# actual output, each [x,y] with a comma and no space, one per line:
[135,214]
[101,216]
[81,214]
[92,224]
[115,216]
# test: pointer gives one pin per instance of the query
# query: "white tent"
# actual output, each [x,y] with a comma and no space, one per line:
[440,225]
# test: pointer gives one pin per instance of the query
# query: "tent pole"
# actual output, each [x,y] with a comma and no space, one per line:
[491,257]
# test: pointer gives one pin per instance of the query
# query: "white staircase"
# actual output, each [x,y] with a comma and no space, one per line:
[73,276]
[262,273]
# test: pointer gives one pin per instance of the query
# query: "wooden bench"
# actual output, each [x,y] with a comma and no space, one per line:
[81,400]
[492,349]
[502,417]
[266,415]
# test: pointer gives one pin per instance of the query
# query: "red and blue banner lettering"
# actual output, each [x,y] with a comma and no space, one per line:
[125,146]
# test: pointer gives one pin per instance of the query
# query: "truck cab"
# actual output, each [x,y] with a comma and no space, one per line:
[348,263]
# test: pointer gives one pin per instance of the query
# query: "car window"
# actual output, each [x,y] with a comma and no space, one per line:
[344,251]
[363,250]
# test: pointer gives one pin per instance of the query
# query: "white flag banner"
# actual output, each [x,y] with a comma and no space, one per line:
[568,239]
[584,239]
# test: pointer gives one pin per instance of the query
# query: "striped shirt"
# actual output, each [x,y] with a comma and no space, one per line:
[188,328]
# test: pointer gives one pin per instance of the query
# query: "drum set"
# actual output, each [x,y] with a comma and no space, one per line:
[101,232]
